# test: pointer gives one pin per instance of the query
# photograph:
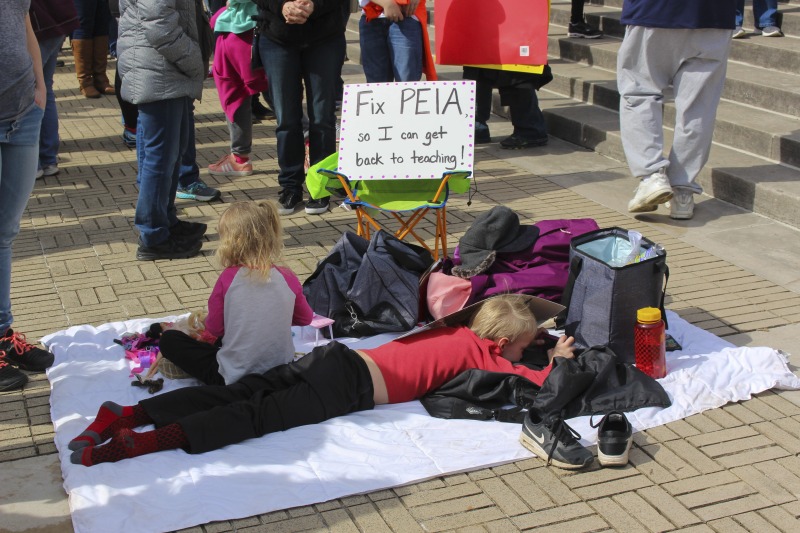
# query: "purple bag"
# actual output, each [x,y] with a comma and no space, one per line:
[542,271]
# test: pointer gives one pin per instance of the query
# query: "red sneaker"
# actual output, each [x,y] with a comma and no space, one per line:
[227,166]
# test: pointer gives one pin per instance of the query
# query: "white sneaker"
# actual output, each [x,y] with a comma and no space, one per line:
[738,33]
[47,170]
[681,207]
[651,191]
[771,31]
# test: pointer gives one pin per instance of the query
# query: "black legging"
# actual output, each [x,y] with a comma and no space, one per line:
[331,381]
[130,113]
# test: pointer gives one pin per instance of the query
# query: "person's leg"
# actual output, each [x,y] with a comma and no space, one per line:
[158,139]
[483,104]
[241,130]
[190,186]
[526,117]
[83,47]
[739,13]
[646,63]
[48,137]
[19,154]
[578,27]
[130,114]
[100,49]
[333,381]
[766,15]
[698,86]
[113,33]
[189,170]
[738,31]
[196,358]
[576,11]
[283,68]
[321,68]
[330,381]
[405,46]
[376,59]
[644,70]
[340,81]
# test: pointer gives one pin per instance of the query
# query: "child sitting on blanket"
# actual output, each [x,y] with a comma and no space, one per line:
[252,307]
[331,381]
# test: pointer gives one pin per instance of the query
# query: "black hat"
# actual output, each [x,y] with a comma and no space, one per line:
[495,231]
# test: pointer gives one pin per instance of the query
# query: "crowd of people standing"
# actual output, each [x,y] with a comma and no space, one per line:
[291,53]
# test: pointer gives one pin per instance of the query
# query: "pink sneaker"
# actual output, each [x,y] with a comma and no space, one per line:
[227,166]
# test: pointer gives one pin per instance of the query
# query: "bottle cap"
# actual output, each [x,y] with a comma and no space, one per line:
[648,315]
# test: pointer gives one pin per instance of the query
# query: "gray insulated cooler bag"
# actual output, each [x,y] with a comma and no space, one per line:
[609,280]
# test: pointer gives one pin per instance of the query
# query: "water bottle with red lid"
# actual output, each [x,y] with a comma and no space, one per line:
[649,342]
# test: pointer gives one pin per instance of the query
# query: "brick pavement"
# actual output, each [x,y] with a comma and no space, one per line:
[735,468]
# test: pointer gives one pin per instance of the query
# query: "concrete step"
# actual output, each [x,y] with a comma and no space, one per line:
[757,135]
[742,179]
[766,134]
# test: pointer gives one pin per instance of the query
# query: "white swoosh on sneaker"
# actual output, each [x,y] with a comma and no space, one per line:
[537,438]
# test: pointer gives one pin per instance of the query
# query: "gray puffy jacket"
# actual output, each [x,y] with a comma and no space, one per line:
[158,51]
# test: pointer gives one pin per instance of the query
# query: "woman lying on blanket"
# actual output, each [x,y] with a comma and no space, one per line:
[330,381]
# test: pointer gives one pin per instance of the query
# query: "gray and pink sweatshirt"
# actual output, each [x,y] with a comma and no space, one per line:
[254,317]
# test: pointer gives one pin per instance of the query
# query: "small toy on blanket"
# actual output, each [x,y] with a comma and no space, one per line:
[142,348]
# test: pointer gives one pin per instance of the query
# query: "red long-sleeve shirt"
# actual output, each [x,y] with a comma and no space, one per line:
[417,365]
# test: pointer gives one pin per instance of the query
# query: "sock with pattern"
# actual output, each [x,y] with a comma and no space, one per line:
[127,443]
[111,417]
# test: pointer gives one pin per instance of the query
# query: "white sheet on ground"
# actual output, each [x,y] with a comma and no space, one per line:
[362,452]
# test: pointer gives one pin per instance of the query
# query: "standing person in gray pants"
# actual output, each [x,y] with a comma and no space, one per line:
[682,43]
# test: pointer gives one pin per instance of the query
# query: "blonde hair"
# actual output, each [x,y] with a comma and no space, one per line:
[251,235]
[507,315]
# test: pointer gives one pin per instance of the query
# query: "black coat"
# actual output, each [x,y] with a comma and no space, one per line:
[594,382]
[324,23]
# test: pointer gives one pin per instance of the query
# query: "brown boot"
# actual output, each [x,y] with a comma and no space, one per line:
[82,51]
[100,64]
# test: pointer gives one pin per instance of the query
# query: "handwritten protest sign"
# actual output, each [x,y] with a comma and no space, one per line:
[407,130]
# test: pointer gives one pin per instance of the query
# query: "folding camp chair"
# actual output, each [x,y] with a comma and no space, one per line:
[408,201]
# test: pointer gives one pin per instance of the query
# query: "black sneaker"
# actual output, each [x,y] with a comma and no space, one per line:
[517,142]
[10,377]
[288,201]
[173,248]
[22,354]
[555,440]
[260,111]
[190,231]
[614,439]
[583,30]
[318,207]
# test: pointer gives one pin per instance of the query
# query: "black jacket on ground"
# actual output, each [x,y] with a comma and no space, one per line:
[593,382]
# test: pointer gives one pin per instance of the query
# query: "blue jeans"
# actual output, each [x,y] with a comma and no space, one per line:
[94,18]
[189,171]
[391,51]
[288,68]
[19,152]
[48,138]
[764,11]
[162,135]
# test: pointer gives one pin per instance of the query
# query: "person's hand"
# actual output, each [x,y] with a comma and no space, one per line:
[297,11]
[40,96]
[563,348]
[391,10]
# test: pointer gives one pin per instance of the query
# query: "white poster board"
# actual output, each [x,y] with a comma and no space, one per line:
[407,130]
